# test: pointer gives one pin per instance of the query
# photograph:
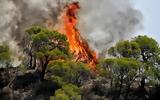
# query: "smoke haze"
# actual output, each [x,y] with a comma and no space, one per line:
[17,15]
[101,22]
[105,22]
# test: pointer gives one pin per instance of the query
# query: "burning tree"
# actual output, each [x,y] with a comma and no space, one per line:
[48,45]
[77,45]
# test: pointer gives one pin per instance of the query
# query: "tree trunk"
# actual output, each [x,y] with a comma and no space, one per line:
[143,82]
[127,92]
[31,59]
[43,68]
[120,88]
[111,83]
[35,63]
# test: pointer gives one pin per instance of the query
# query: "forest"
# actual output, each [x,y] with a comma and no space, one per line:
[49,71]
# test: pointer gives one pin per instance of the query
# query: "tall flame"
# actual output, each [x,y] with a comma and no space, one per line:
[78,46]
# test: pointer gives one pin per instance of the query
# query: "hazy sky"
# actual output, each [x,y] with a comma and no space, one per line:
[151,20]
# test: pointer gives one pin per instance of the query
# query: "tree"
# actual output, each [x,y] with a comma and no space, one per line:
[123,71]
[149,47]
[150,55]
[142,48]
[125,49]
[46,46]
[70,72]
[29,47]
[5,56]
[67,92]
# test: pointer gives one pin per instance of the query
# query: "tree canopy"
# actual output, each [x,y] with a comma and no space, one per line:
[45,46]
[125,49]
[70,72]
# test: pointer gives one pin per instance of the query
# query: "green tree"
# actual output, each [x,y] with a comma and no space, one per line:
[46,46]
[125,49]
[29,47]
[67,92]
[5,56]
[123,71]
[70,72]
[149,47]
[144,49]
[150,55]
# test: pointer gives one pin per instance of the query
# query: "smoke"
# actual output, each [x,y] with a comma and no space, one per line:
[17,15]
[101,22]
[105,22]
[8,23]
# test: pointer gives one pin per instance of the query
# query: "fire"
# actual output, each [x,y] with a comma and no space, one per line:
[78,46]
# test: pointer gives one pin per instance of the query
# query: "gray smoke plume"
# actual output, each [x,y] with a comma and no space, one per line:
[17,15]
[8,23]
[101,22]
[105,22]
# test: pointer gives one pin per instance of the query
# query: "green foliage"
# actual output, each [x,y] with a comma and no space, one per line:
[147,44]
[102,71]
[112,51]
[45,46]
[150,55]
[59,80]
[71,72]
[145,50]
[5,56]
[67,92]
[54,54]
[122,69]
[152,74]
[125,49]
[44,40]
[149,48]
[33,30]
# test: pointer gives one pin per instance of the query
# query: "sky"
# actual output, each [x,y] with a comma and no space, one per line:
[151,17]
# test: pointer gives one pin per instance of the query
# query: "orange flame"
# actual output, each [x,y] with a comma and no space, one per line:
[78,46]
